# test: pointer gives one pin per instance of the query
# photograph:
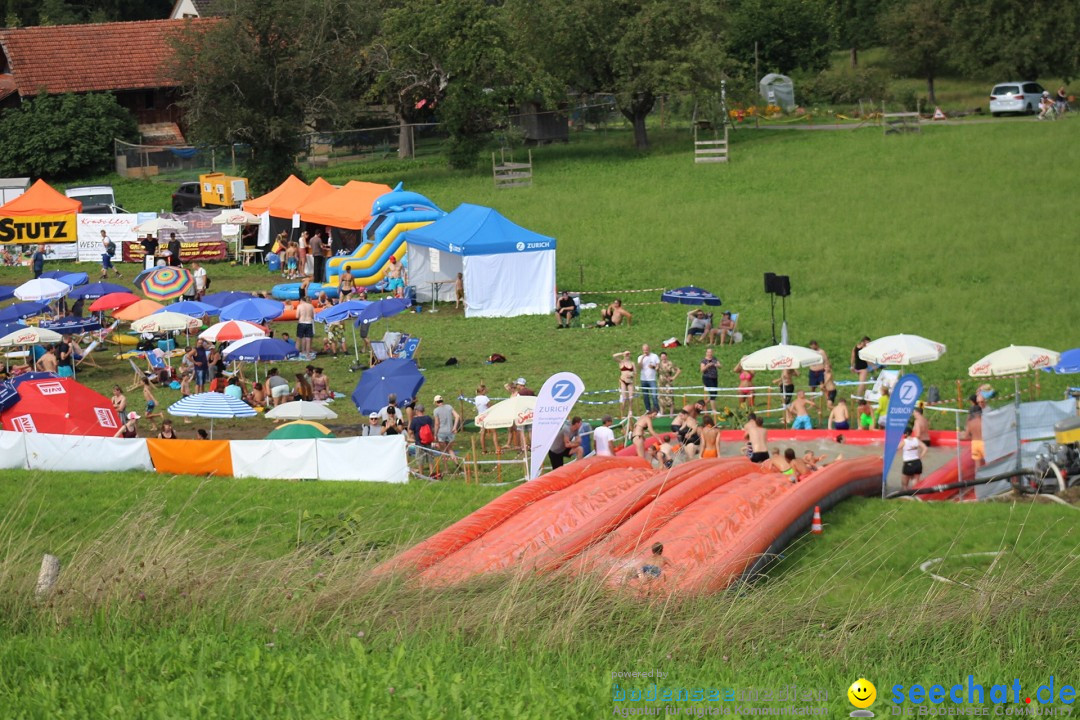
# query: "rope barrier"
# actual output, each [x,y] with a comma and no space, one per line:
[613,292]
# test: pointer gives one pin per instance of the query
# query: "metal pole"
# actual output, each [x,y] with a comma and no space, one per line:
[757,79]
[1016,405]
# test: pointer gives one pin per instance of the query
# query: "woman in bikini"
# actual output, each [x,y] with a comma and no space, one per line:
[626,381]
[643,425]
[746,386]
[320,385]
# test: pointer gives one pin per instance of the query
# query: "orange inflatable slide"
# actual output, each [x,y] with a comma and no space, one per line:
[719,520]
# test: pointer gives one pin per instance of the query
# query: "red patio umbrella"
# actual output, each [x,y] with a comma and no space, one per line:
[60,406]
[114,301]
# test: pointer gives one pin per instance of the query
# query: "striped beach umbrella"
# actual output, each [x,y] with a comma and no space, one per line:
[231,330]
[165,283]
[213,405]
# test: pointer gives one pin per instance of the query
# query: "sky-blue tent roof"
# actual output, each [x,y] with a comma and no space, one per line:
[476,230]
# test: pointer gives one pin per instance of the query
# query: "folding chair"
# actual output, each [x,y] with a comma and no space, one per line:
[86,355]
[140,375]
[379,352]
[409,348]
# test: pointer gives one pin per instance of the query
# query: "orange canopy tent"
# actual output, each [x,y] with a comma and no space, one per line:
[259,205]
[40,199]
[287,203]
[349,207]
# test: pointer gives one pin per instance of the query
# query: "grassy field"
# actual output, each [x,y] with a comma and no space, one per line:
[187,597]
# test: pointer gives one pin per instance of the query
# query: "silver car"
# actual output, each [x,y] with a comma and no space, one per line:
[1021,96]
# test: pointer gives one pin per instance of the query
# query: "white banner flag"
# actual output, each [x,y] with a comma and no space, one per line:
[553,405]
[118,227]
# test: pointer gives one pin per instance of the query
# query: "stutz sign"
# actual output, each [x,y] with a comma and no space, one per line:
[38,229]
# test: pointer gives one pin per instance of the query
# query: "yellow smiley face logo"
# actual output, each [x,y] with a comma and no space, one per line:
[862,693]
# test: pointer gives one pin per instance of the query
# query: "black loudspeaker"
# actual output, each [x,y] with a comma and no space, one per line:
[770,283]
[783,285]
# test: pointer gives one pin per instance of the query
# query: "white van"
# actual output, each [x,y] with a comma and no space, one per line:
[98,199]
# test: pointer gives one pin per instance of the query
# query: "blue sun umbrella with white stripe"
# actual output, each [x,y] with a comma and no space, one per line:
[211,405]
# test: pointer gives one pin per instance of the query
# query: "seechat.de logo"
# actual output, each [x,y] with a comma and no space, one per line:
[562,391]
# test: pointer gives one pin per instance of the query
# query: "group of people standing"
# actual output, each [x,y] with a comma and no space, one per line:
[296,254]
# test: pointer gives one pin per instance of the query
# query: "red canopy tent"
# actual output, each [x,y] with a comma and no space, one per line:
[60,406]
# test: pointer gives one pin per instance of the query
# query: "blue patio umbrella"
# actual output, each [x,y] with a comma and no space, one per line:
[68,278]
[71,325]
[344,311]
[1068,364]
[256,349]
[226,297]
[95,290]
[689,295]
[395,376]
[256,310]
[21,310]
[191,308]
[6,292]
[381,309]
[9,390]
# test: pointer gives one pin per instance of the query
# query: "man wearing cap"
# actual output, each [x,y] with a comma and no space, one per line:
[130,427]
[447,422]
[522,389]
[418,434]
[373,428]
[604,437]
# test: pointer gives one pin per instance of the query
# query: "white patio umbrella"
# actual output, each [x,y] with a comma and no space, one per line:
[30,336]
[153,227]
[1014,360]
[211,405]
[301,410]
[781,357]
[42,290]
[515,411]
[165,322]
[235,216]
[902,350]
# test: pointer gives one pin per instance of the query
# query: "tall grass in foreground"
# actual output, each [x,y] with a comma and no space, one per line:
[177,615]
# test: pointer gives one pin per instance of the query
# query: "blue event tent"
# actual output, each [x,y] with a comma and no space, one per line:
[507,269]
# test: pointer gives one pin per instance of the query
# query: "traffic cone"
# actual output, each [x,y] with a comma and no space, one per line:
[815,526]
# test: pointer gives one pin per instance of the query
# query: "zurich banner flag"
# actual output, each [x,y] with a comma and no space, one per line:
[905,394]
[553,405]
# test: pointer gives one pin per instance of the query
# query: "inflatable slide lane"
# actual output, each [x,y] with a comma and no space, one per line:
[719,520]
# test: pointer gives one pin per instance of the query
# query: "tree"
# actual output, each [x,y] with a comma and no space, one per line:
[454,55]
[62,136]
[268,71]
[638,49]
[855,24]
[789,34]
[1020,39]
[919,35]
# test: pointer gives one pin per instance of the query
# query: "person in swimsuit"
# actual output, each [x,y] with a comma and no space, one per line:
[920,426]
[755,433]
[655,567]
[786,381]
[626,381]
[746,386]
[667,374]
[689,435]
[130,428]
[866,415]
[320,385]
[346,285]
[830,386]
[167,432]
[859,366]
[395,281]
[119,402]
[912,451]
[839,419]
[801,412]
[816,374]
[643,425]
[783,464]
[710,438]
[151,401]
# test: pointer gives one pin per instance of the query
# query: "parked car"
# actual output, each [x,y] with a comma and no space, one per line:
[187,197]
[1021,96]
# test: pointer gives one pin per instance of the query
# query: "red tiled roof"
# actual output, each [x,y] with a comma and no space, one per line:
[96,56]
[7,85]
